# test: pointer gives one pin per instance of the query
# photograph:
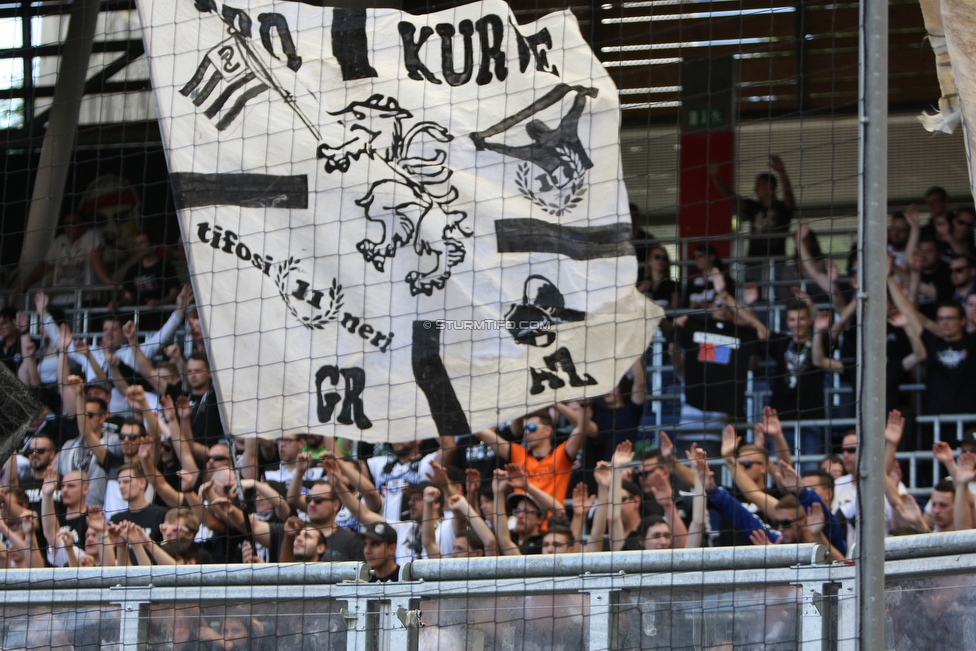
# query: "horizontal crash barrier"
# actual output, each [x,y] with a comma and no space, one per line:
[772,597]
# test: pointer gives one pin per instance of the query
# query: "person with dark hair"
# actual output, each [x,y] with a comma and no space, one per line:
[941,506]
[379,548]
[715,354]
[653,532]
[131,436]
[937,202]
[148,517]
[559,540]
[962,272]
[204,419]
[949,355]
[309,545]
[962,230]
[151,280]
[546,465]
[468,545]
[802,364]
[701,290]
[935,281]
[15,342]
[769,216]
[656,282]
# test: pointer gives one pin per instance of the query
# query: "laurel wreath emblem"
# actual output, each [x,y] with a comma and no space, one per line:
[567,200]
[316,321]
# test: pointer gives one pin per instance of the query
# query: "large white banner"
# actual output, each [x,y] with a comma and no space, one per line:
[397,225]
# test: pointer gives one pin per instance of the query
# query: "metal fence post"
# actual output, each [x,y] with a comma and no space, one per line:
[600,625]
[133,619]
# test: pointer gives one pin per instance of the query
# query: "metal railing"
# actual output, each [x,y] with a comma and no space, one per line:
[781,596]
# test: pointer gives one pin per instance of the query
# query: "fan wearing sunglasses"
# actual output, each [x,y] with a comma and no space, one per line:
[547,466]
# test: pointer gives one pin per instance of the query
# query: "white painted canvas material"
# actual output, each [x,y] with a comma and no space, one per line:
[386,241]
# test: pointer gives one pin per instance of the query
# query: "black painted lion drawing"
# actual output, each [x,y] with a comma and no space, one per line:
[412,205]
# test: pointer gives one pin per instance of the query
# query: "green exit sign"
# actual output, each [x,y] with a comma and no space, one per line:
[706,117]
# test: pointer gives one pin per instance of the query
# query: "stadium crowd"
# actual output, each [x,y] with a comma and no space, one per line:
[129,464]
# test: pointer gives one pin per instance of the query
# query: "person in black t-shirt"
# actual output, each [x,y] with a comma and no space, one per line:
[702,290]
[132,485]
[379,548]
[152,280]
[770,217]
[204,419]
[656,283]
[935,283]
[716,354]
[949,357]
[72,516]
[802,363]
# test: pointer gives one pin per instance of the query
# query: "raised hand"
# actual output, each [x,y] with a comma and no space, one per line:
[665,445]
[499,483]
[910,511]
[472,481]
[759,435]
[187,480]
[65,539]
[303,462]
[516,476]
[129,331]
[111,358]
[730,442]
[247,553]
[759,537]
[96,519]
[943,453]
[790,477]
[816,519]
[173,353]
[898,318]
[718,280]
[776,164]
[64,338]
[135,396]
[459,505]
[966,470]
[40,302]
[912,216]
[293,525]
[146,448]
[580,495]
[184,407]
[431,495]
[603,474]
[822,322]
[184,298]
[50,481]
[894,427]
[438,474]
[167,407]
[623,455]
[771,422]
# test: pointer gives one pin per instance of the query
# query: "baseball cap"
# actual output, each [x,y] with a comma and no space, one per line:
[381,532]
[515,498]
[969,436]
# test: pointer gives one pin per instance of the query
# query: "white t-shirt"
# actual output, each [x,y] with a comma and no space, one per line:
[72,263]
[391,476]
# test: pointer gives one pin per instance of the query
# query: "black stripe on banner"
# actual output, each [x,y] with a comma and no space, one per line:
[432,378]
[578,243]
[248,190]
